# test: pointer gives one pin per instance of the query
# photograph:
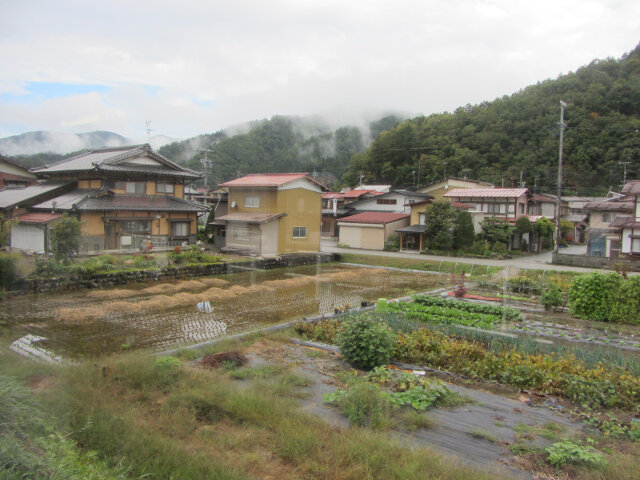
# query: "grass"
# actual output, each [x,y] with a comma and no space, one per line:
[479,433]
[174,421]
[475,271]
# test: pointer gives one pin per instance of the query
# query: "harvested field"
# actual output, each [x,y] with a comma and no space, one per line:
[164,314]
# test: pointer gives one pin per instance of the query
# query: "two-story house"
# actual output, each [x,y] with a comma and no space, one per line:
[605,225]
[439,188]
[271,214]
[125,197]
[630,235]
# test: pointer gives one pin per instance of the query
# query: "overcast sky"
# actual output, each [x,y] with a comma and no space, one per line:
[196,67]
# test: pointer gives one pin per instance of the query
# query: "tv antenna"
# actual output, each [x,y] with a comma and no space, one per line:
[148,129]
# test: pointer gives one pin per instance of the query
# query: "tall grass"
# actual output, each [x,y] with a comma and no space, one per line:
[206,424]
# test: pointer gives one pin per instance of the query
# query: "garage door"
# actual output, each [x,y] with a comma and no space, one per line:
[27,237]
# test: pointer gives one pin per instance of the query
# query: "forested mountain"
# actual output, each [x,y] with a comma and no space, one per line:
[497,140]
[281,144]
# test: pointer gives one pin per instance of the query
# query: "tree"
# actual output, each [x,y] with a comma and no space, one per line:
[523,225]
[496,230]
[463,232]
[545,228]
[66,238]
[439,220]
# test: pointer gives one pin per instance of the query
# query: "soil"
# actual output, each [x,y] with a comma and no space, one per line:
[478,434]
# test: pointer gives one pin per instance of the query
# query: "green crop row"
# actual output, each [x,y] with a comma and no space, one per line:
[508,313]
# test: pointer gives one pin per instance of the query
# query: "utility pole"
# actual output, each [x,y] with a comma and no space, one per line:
[361,178]
[465,171]
[559,192]
[624,175]
[148,130]
[206,169]
[419,168]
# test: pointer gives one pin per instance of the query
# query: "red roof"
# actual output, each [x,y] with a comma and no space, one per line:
[375,217]
[356,192]
[329,195]
[37,217]
[266,180]
[487,192]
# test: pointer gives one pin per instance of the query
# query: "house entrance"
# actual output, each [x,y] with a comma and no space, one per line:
[110,236]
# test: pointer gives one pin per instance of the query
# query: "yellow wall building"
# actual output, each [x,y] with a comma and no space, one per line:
[271,214]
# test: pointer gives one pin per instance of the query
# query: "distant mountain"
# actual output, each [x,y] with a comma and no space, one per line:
[31,143]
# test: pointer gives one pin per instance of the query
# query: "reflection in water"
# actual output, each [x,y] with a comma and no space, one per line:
[164,314]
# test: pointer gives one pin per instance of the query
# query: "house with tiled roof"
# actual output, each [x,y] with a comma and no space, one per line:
[371,230]
[438,188]
[125,197]
[604,233]
[630,227]
[12,174]
[271,214]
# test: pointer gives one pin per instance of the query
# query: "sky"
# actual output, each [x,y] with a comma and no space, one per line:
[193,67]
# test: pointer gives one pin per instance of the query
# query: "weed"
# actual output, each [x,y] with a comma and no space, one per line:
[569,452]
[479,433]
[363,404]
[413,420]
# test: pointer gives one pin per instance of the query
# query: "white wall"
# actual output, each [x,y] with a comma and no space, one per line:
[27,237]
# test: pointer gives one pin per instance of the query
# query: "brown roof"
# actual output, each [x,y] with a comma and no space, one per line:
[632,187]
[375,217]
[269,180]
[37,217]
[250,217]
[487,192]
[610,206]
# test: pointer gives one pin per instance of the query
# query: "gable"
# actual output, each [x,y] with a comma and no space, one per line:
[303,183]
[144,160]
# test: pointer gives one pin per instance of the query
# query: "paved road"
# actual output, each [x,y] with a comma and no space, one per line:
[537,262]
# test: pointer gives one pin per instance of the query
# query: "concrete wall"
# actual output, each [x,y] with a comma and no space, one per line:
[594,262]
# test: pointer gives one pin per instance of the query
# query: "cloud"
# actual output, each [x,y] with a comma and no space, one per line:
[195,67]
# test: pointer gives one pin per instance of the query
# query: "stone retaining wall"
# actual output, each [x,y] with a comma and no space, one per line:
[595,262]
[172,271]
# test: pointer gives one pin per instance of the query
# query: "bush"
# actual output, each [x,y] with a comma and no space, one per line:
[9,274]
[551,297]
[443,240]
[591,296]
[392,244]
[480,247]
[569,452]
[366,342]
[364,404]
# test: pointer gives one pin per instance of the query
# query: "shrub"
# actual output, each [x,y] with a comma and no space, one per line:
[66,238]
[591,296]
[393,243]
[366,342]
[9,274]
[480,247]
[569,452]
[551,297]
[443,240]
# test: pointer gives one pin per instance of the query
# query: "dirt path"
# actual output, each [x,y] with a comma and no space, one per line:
[478,434]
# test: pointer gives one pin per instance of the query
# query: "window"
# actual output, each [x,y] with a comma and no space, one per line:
[240,232]
[635,244]
[496,208]
[164,187]
[521,208]
[386,201]
[251,201]
[606,217]
[299,232]
[135,226]
[179,229]
[135,187]
[421,217]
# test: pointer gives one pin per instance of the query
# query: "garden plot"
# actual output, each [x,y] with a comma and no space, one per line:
[478,434]
[578,334]
[164,314]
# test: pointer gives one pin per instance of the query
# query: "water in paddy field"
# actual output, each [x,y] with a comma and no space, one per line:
[163,314]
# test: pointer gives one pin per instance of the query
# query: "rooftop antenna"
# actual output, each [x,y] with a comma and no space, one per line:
[361,178]
[464,171]
[148,130]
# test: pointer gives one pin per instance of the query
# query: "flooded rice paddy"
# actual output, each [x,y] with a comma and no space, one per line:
[163,314]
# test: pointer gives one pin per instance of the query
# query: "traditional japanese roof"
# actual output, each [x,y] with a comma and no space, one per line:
[37,217]
[576,217]
[537,197]
[412,229]
[250,217]
[358,192]
[269,180]
[104,200]
[621,220]
[331,195]
[487,192]
[137,159]
[632,188]
[10,197]
[444,180]
[610,206]
[375,217]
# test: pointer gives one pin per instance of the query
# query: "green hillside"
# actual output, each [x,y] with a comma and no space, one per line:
[497,140]
[281,144]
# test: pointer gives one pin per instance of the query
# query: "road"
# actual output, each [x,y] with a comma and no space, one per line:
[535,262]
